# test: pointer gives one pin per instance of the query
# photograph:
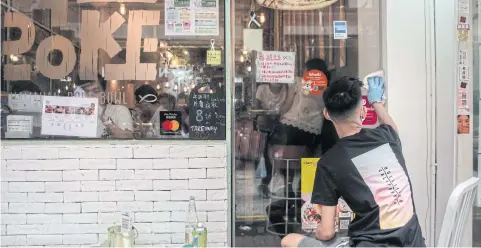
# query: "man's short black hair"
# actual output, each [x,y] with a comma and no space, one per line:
[318,64]
[24,85]
[342,97]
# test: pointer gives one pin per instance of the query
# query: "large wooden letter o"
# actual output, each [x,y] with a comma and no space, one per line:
[50,44]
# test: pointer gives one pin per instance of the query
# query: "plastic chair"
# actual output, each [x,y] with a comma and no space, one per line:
[457,212]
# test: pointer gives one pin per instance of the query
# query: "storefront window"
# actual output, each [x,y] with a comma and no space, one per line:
[113,69]
[286,54]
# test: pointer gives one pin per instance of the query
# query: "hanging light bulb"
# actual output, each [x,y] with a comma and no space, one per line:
[169,54]
[166,85]
[244,51]
[66,87]
[262,18]
[249,68]
[241,58]
[176,87]
[123,87]
[158,86]
[186,89]
[58,91]
[186,52]
[122,9]
[74,85]
[14,58]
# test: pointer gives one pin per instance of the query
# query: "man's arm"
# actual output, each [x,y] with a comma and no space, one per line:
[383,115]
[326,230]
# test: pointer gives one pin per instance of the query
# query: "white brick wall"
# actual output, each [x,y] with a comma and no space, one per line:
[69,195]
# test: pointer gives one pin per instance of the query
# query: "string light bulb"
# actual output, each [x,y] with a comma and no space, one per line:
[66,87]
[122,9]
[58,91]
[158,86]
[169,55]
[176,87]
[249,68]
[166,85]
[262,18]
[14,58]
[241,59]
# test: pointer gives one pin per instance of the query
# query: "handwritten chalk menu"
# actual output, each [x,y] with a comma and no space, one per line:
[207,113]
[170,121]
[275,67]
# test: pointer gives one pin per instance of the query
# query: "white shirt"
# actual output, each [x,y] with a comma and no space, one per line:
[120,116]
[306,111]
[269,99]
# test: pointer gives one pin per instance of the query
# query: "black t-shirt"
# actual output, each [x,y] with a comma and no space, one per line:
[368,171]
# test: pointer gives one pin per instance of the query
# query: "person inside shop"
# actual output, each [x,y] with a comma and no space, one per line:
[115,121]
[298,134]
[367,169]
[168,101]
[269,97]
[149,105]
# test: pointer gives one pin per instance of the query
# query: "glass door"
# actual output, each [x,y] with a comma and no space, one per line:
[275,45]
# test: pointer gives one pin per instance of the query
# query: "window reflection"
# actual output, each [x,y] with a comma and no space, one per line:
[179,64]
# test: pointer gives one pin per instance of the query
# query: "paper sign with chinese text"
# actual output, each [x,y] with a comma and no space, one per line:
[275,67]
[214,57]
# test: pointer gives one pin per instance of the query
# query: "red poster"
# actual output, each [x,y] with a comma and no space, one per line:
[371,116]
[317,82]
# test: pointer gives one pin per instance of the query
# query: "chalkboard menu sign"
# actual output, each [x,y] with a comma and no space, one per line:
[207,113]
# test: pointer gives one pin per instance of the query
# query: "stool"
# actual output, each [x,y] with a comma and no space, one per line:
[286,198]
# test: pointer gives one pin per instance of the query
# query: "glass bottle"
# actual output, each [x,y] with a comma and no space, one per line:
[191,222]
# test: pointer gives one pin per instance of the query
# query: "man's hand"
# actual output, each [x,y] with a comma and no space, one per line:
[376,89]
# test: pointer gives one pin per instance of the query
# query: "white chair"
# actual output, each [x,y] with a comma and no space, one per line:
[459,206]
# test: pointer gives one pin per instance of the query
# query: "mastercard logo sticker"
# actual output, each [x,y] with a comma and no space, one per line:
[170,125]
